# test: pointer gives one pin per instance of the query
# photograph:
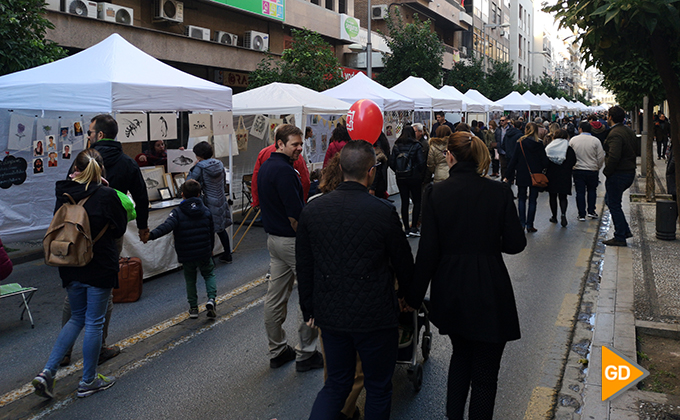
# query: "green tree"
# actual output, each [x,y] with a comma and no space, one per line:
[467,74]
[547,85]
[499,80]
[22,36]
[416,51]
[309,62]
[616,31]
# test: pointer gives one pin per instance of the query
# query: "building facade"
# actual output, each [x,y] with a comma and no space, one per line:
[522,38]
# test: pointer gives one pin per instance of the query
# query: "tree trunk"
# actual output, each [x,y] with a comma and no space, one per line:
[662,58]
[649,183]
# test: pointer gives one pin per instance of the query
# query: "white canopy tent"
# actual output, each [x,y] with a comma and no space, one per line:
[516,102]
[361,86]
[469,104]
[108,77]
[545,105]
[558,106]
[490,106]
[570,106]
[426,96]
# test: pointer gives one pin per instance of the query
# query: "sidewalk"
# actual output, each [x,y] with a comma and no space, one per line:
[612,309]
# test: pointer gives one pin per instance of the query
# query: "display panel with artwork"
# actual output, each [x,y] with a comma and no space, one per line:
[131,127]
[153,178]
[163,126]
[180,160]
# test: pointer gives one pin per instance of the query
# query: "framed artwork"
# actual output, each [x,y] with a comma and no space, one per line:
[20,132]
[153,178]
[180,160]
[38,166]
[169,183]
[180,179]
[38,148]
[131,127]
[223,123]
[163,126]
[259,126]
[165,193]
[273,124]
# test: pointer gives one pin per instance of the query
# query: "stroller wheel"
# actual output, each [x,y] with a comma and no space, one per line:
[415,375]
[427,345]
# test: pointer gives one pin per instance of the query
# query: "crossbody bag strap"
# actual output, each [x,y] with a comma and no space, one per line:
[525,157]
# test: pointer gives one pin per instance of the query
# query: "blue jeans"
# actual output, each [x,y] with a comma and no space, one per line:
[615,185]
[526,218]
[585,181]
[378,353]
[88,308]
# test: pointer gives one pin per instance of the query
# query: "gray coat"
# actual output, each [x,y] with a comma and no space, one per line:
[210,174]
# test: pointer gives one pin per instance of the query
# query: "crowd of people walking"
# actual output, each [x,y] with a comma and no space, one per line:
[346,244]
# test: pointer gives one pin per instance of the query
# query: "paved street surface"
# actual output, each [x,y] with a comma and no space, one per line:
[200,369]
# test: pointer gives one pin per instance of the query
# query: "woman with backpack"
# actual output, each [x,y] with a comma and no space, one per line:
[88,286]
[407,160]
[562,160]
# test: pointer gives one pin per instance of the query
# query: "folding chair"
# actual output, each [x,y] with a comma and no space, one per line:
[246,192]
[15,289]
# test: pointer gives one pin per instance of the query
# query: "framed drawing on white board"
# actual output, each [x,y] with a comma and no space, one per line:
[153,178]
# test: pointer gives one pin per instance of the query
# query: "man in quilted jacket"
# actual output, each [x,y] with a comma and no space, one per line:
[350,246]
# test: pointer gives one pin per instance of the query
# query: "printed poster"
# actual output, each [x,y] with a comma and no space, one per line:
[199,125]
[20,132]
[163,126]
[180,160]
[273,123]
[223,123]
[259,126]
[131,127]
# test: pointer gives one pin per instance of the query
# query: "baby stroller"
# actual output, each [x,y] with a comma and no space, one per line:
[410,324]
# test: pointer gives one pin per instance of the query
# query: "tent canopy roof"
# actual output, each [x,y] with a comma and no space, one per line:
[112,75]
[284,98]
[427,96]
[469,104]
[361,86]
[474,94]
[545,105]
[516,102]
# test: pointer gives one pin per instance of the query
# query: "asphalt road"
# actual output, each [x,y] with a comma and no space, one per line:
[199,369]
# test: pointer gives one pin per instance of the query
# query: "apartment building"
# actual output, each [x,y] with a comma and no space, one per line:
[521,38]
[488,39]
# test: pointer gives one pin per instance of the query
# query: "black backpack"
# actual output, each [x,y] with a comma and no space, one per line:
[403,163]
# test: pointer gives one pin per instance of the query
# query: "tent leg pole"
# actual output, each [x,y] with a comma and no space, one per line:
[246,232]
[242,222]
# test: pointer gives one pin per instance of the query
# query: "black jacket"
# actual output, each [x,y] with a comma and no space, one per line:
[535,155]
[349,247]
[619,149]
[507,145]
[416,154]
[559,176]
[192,225]
[102,208]
[123,174]
[460,253]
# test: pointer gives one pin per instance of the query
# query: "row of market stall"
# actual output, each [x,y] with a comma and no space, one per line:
[115,77]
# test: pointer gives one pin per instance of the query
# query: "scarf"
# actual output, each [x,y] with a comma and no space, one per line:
[557,150]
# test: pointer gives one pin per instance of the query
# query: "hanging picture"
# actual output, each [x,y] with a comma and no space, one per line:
[223,122]
[48,127]
[153,178]
[259,126]
[180,160]
[131,127]
[38,148]
[163,126]
[51,143]
[242,135]
[52,160]
[273,123]
[78,128]
[38,166]
[63,134]
[221,145]
[20,132]
[290,119]
[66,152]
[199,125]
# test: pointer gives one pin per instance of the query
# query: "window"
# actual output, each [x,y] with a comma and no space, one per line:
[315,2]
[329,4]
[494,11]
[485,11]
[342,6]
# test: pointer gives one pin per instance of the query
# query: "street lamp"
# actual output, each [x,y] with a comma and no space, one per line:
[369,48]
[492,26]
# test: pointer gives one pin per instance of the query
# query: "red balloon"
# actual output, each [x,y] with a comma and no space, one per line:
[364,121]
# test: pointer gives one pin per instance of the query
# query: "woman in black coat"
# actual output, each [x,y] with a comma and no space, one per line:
[561,163]
[468,221]
[529,153]
[409,184]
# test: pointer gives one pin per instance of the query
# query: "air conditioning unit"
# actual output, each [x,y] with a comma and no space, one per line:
[226,38]
[114,13]
[379,12]
[81,8]
[257,41]
[170,10]
[198,32]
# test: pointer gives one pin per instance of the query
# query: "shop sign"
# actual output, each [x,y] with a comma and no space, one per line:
[349,28]
[274,9]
